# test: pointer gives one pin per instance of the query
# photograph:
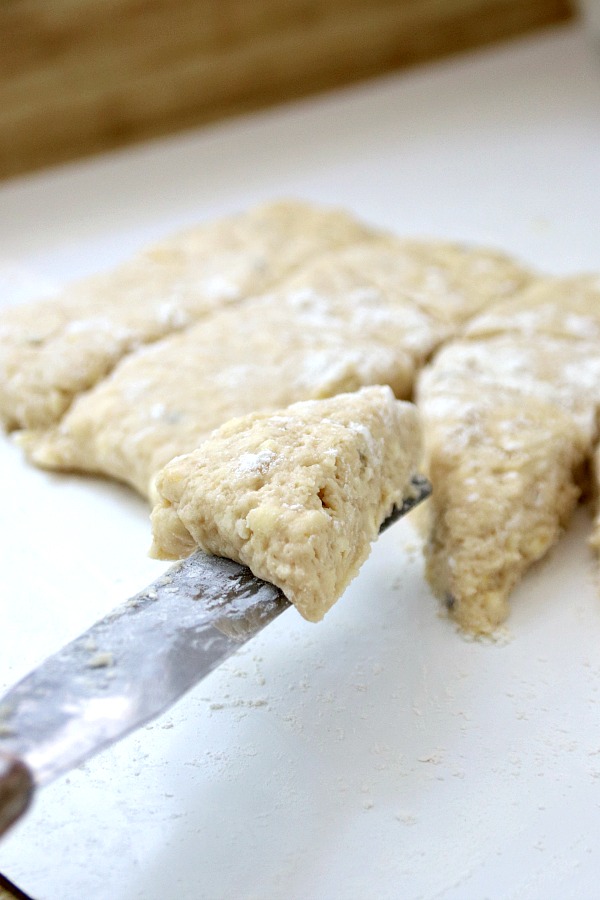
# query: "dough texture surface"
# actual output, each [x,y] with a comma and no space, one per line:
[297,496]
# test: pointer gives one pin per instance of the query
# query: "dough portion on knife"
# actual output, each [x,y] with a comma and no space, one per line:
[55,349]
[510,420]
[297,496]
[341,322]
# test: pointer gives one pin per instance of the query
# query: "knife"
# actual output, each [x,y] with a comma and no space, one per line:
[132,665]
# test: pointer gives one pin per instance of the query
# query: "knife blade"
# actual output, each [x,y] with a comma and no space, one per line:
[132,665]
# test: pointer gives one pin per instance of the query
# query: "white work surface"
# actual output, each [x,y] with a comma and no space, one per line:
[378,754]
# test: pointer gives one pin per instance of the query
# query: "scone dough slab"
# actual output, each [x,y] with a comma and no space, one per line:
[345,320]
[166,399]
[298,496]
[53,350]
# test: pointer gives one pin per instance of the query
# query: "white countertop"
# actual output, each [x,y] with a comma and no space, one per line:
[378,754]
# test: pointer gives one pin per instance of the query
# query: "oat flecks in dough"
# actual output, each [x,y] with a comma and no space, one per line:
[298,496]
[510,418]
[53,350]
[349,318]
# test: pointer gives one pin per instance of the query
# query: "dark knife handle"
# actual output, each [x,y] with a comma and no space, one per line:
[16,790]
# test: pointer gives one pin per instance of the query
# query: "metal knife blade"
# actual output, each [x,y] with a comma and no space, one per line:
[131,666]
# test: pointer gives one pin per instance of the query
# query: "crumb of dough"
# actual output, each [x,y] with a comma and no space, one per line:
[298,496]
[101,661]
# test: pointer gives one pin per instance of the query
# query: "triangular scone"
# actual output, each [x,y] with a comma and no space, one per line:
[52,351]
[567,309]
[510,420]
[298,496]
[365,314]
[505,470]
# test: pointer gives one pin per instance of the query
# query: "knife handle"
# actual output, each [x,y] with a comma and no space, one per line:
[16,790]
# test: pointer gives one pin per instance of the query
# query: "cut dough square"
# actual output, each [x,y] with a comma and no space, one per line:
[297,496]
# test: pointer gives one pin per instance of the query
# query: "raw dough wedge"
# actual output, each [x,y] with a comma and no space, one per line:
[510,419]
[53,350]
[298,496]
[341,322]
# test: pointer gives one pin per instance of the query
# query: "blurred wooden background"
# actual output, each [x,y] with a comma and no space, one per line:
[82,76]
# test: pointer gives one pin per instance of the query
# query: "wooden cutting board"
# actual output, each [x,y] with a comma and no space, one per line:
[82,76]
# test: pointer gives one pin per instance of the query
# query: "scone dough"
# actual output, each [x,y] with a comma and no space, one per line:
[53,350]
[370,313]
[449,281]
[510,417]
[298,496]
